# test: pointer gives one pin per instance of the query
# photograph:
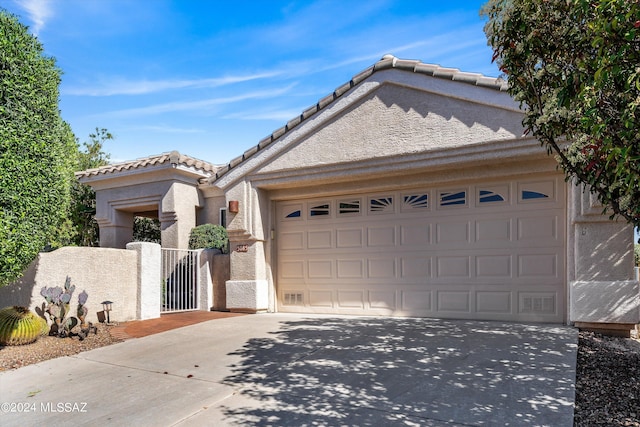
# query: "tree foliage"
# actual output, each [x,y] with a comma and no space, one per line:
[36,149]
[574,66]
[146,229]
[83,228]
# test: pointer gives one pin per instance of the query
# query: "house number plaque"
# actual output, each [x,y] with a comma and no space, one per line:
[242,248]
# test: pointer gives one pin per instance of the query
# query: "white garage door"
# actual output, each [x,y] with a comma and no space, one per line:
[481,251]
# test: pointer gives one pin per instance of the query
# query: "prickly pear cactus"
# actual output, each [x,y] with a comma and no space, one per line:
[20,326]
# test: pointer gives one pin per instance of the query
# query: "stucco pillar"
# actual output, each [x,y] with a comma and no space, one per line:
[178,215]
[149,279]
[602,286]
[116,229]
[249,284]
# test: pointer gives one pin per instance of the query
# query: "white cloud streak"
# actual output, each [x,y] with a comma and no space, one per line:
[195,105]
[143,87]
[38,12]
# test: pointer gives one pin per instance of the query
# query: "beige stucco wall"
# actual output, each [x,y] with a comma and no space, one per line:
[105,274]
[601,279]
[397,120]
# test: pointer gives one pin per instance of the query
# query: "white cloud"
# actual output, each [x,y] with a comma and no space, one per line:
[38,12]
[140,87]
[277,115]
[167,129]
[195,105]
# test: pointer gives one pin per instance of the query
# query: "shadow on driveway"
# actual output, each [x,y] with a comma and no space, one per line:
[382,371]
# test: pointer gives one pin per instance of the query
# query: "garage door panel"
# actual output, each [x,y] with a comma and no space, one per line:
[452,266]
[350,269]
[350,299]
[489,302]
[320,269]
[349,238]
[453,301]
[484,251]
[321,299]
[538,228]
[320,239]
[381,268]
[452,233]
[538,265]
[493,230]
[417,235]
[292,269]
[383,300]
[381,236]
[417,301]
[418,267]
[494,266]
[292,241]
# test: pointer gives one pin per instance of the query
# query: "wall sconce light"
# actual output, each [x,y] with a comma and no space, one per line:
[106,306]
[234,206]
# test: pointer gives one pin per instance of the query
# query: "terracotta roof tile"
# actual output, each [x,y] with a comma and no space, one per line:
[387,62]
[173,157]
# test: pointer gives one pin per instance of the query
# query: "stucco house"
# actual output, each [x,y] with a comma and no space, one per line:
[408,191]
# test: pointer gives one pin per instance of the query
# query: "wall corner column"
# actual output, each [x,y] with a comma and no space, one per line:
[149,279]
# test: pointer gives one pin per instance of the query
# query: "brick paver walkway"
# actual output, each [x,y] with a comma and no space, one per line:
[166,322]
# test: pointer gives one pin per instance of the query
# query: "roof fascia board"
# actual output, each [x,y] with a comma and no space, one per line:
[484,152]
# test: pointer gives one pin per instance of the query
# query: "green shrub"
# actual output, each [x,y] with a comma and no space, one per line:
[209,236]
[637,254]
[37,150]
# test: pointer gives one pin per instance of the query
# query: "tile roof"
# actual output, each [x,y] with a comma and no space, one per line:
[173,157]
[387,62]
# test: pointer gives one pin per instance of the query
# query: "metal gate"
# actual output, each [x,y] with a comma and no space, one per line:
[180,290]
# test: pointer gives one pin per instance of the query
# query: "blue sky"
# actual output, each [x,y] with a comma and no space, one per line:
[212,78]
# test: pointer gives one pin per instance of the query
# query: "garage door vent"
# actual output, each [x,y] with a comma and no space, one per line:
[538,305]
[293,299]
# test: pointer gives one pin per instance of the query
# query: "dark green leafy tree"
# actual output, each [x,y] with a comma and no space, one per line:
[574,66]
[81,224]
[146,229]
[36,149]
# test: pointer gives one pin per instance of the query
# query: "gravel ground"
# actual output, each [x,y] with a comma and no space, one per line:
[607,381]
[607,385]
[46,347]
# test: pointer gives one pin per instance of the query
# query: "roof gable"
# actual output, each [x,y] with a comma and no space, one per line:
[388,62]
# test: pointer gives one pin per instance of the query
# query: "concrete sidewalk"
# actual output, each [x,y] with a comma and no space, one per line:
[286,370]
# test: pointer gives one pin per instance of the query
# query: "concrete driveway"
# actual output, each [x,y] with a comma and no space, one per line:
[295,370]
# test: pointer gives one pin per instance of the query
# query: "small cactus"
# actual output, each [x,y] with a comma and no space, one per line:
[20,326]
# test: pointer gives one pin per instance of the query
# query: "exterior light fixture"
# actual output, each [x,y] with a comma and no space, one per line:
[234,206]
[106,306]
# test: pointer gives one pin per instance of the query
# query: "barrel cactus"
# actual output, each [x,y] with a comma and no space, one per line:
[20,326]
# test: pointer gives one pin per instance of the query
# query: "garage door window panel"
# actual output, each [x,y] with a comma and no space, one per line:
[321,210]
[452,199]
[488,196]
[349,207]
[381,205]
[537,192]
[415,202]
[292,212]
